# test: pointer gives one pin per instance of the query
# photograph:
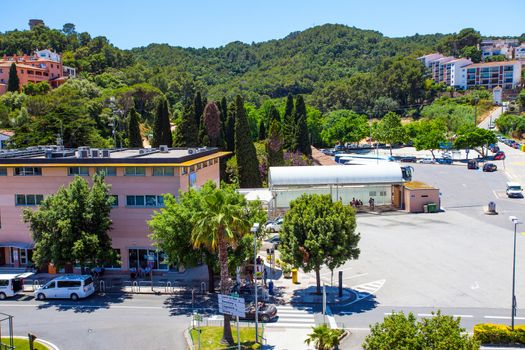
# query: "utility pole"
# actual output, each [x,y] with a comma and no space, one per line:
[516,222]
[254,230]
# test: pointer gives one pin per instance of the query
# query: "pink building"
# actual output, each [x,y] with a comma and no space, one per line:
[44,65]
[138,178]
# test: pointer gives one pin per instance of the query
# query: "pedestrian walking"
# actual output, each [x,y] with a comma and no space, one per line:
[371,202]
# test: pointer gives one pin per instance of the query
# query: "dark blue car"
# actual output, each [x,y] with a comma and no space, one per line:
[444,160]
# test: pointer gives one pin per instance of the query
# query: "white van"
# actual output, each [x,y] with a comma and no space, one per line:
[11,284]
[71,287]
[514,190]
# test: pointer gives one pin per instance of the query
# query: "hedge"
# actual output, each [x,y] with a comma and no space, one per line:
[488,333]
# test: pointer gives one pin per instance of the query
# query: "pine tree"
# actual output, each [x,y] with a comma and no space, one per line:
[302,136]
[212,125]
[247,163]
[229,132]
[289,125]
[186,133]
[135,139]
[262,131]
[161,125]
[13,84]
[274,146]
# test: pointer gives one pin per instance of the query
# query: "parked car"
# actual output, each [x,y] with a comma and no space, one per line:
[499,155]
[408,159]
[514,190]
[11,284]
[489,167]
[274,226]
[472,164]
[275,240]
[71,287]
[427,161]
[444,160]
[266,312]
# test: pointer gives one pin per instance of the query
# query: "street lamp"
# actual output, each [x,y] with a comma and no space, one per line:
[516,222]
[254,230]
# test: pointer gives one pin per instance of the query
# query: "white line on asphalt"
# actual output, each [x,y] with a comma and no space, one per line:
[79,306]
[463,316]
[504,317]
[288,325]
[290,315]
[426,315]
[329,273]
[355,276]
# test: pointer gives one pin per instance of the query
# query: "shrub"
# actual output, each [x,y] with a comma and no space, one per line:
[488,333]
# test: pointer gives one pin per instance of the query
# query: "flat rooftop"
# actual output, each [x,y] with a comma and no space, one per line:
[55,155]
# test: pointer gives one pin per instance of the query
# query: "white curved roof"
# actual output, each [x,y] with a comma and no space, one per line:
[335,174]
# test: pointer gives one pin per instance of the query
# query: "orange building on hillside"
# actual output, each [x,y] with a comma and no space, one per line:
[43,65]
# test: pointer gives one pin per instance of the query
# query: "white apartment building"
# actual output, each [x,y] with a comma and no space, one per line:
[519,52]
[453,73]
[429,58]
[506,74]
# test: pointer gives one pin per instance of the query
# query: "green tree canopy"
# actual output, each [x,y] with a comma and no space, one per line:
[475,138]
[400,331]
[72,225]
[344,126]
[134,137]
[390,130]
[317,231]
[427,134]
[247,163]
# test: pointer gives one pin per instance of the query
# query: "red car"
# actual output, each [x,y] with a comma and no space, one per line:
[499,155]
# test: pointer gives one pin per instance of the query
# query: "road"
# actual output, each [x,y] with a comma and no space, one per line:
[102,322]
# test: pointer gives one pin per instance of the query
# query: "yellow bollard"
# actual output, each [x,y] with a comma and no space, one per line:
[295,276]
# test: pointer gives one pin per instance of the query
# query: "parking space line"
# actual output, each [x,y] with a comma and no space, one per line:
[503,317]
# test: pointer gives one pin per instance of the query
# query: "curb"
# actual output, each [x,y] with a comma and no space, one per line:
[351,299]
[45,342]
[187,337]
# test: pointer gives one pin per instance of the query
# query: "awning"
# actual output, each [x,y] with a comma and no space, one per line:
[21,245]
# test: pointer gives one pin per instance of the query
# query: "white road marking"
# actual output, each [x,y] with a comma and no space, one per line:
[355,276]
[463,316]
[427,315]
[475,286]
[503,317]
[329,273]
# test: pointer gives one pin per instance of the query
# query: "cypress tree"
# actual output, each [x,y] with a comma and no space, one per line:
[247,163]
[273,114]
[135,139]
[302,136]
[262,131]
[13,84]
[161,125]
[229,131]
[186,133]
[274,146]
[198,108]
[212,124]
[289,137]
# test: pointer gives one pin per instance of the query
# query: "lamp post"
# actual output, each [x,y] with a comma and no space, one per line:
[516,222]
[254,230]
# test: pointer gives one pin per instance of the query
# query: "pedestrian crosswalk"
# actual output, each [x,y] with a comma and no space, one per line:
[366,289]
[290,317]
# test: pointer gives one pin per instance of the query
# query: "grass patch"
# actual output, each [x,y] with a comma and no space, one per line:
[211,337]
[23,344]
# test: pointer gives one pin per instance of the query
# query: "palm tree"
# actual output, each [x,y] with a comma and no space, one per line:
[220,223]
[323,337]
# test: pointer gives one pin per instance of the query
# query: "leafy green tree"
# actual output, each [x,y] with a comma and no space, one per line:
[317,231]
[390,130]
[383,105]
[344,126]
[187,131]
[511,124]
[262,131]
[324,338]
[162,126]
[39,88]
[247,163]
[69,28]
[72,225]
[135,139]
[439,332]
[274,145]
[403,79]
[13,83]
[472,52]
[289,125]
[475,138]
[212,124]
[272,114]
[427,134]
[302,136]
[219,225]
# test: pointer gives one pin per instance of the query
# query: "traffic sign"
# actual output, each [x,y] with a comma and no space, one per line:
[231,305]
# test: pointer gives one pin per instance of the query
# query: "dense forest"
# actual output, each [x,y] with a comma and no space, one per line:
[319,86]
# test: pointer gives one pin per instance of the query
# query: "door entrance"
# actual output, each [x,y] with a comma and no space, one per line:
[2,256]
[138,259]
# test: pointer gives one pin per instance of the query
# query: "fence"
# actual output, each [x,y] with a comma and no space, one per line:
[6,322]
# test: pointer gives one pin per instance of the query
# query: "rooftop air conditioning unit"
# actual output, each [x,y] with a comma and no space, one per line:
[105,153]
[95,153]
[163,148]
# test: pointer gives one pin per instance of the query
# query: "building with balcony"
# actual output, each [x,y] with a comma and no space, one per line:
[138,177]
[43,65]
[506,74]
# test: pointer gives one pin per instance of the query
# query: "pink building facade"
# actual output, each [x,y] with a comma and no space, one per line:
[137,181]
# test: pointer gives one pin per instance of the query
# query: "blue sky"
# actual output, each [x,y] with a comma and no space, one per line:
[212,23]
